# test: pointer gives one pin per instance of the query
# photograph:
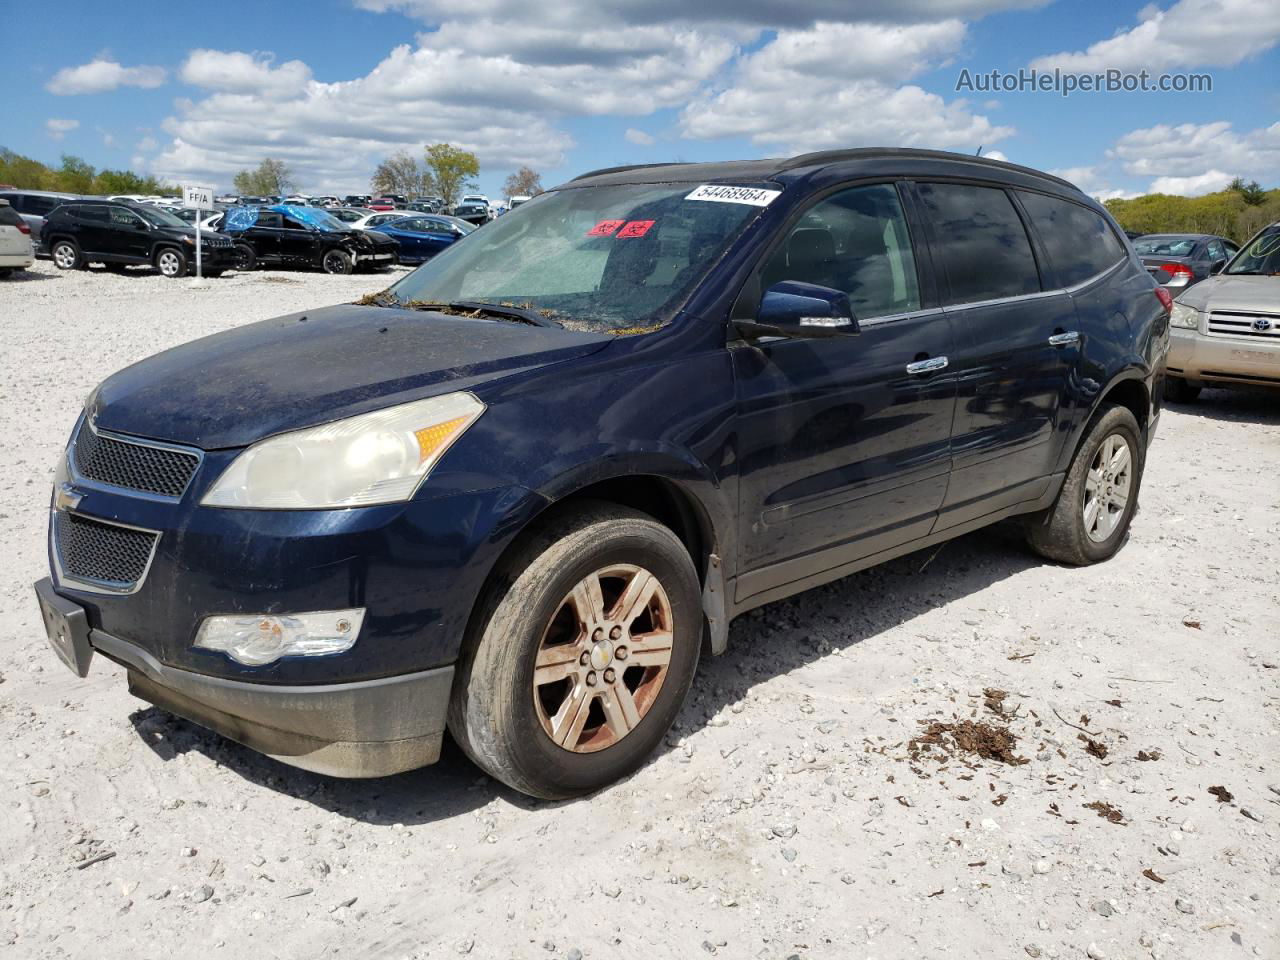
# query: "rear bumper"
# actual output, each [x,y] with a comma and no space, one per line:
[372,728]
[1196,356]
[11,260]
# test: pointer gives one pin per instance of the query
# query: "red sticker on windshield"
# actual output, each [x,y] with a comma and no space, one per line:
[636,228]
[605,228]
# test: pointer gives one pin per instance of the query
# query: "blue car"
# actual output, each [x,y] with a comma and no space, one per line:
[522,491]
[422,237]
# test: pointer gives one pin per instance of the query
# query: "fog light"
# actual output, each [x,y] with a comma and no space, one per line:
[259,639]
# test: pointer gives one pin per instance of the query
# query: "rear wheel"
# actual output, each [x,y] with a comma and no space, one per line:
[336,261]
[1089,520]
[583,651]
[246,257]
[66,255]
[1178,390]
[171,262]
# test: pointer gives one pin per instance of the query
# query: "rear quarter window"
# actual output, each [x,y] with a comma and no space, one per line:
[980,241]
[1079,242]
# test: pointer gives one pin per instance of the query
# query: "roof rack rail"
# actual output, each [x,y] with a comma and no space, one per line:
[623,169]
[834,156]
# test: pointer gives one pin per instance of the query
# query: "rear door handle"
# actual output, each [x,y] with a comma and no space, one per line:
[1064,339]
[932,365]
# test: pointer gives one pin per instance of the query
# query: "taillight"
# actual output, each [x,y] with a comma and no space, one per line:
[1165,298]
[22,225]
[1176,269]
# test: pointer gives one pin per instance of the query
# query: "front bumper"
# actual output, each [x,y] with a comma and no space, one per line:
[371,728]
[1197,356]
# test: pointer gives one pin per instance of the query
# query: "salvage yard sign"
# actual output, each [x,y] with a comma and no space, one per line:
[199,197]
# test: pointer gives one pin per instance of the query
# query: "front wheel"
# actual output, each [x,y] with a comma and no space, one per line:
[171,263]
[583,652]
[1178,390]
[246,257]
[336,261]
[1090,518]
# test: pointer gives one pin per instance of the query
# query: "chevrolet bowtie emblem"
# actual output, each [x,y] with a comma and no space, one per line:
[66,497]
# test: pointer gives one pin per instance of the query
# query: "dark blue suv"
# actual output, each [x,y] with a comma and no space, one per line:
[518,494]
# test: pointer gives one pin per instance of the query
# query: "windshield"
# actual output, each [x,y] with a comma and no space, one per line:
[1259,255]
[1164,246]
[596,258]
[159,218]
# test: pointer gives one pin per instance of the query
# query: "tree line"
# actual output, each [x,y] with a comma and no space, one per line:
[1238,212]
[74,175]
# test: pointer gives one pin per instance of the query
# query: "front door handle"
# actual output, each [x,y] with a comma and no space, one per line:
[932,365]
[1064,339]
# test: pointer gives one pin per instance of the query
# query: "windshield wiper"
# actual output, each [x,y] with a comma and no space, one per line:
[509,310]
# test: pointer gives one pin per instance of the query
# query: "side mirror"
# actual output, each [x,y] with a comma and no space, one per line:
[801,311]
[1216,266]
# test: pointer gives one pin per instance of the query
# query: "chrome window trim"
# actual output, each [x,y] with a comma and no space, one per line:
[84,481]
[89,585]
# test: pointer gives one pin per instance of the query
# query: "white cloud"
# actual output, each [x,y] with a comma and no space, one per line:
[1193,186]
[100,76]
[1190,33]
[1192,150]
[639,137]
[804,91]
[147,144]
[238,72]
[995,155]
[57,128]
[1094,182]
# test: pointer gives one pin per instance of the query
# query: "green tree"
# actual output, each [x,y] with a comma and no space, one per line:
[19,171]
[75,176]
[525,182]
[1251,193]
[399,174]
[450,169]
[271,178]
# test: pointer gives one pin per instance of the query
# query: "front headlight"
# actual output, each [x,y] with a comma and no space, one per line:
[378,457]
[1184,316]
[259,639]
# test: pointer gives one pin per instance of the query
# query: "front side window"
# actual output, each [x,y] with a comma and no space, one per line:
[270,218]
[980,241]
[605,258]
[159,218]
[855,241]
[124,218]
[1158,246]
[291,224]
[1079,241]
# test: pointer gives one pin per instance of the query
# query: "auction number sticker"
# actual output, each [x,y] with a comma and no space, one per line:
[755,196]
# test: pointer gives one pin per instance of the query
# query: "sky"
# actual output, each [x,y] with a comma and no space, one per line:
[565,86]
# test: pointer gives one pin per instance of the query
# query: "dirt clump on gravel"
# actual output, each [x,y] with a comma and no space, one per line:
[944,741]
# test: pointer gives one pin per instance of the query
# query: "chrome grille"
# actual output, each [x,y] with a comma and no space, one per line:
[134,465]
[100,553]
[1244,324]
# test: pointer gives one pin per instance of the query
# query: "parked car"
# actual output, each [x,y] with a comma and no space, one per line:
[119,235]
[422,236]
[519,492]
[473,211]
[190,214]
[1226,330]
[384,204]
[16,251]
[427,204]
[371,219]
[34,206]
[349,215]
[516,201]
[356,200]
[292,236]
[1178,260]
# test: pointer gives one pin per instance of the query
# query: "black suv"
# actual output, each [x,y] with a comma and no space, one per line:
[120,235]
[523,490]
[292,236]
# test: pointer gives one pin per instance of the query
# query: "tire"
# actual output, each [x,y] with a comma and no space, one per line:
[1065,531]
[246,257]
[5,271]
[505,724]
[1177,390]
[66,255]
[171,262]
[336,261]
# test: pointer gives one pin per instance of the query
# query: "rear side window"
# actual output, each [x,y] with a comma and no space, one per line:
[92,212]
[9,217]
[38,206]
[1216,250]
[1079,242]
[981,242]
[855,241]
[270,218]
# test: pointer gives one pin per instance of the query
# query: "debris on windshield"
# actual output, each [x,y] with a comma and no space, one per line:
[635,331]
[382,298]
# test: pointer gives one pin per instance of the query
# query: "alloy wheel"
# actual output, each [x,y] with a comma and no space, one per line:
[64,256]
[169,263]
[1107,487]
[603,658]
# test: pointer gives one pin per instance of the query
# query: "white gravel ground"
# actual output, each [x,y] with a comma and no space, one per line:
[784,819]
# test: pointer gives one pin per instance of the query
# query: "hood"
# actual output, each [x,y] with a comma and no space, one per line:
[1225,292]
[239,386]
[190,231]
